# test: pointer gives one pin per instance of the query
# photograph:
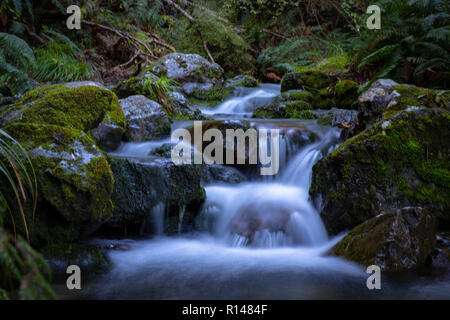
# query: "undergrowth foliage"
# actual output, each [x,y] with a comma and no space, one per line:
[20,266]
[413,43]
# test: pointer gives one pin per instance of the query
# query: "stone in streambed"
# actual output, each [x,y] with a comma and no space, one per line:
[145,119]
[402,160]
[73,177]
[394,240]
[142,187]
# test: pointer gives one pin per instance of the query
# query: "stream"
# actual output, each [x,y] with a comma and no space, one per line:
[280,256]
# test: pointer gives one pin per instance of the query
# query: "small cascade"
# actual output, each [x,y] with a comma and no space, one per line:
[246,100]
[158,213]
[277,213]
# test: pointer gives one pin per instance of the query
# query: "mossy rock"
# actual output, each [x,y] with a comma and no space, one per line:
[401,161]
[346,93]
[89,257]
[308,80]
[141,188]
[395,240]
[74,179]
[323,99]
[242,81]
[82,108]
[386,97]
[285,110]
[296,95]
[130,87]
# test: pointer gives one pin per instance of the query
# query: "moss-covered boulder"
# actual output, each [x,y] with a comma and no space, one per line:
[296,95]
[285,110]
[307,80]
[394,240]
[145,119]
[326,90]
[187,68]
[400,161]
[80,107]
[74,180]
[386,97]
[242,81]
[144,191]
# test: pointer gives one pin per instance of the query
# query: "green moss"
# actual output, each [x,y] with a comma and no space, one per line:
[295,95]
[309,80]
[73,175]
[323,99]
[346,93]
[81,108]
[402,159]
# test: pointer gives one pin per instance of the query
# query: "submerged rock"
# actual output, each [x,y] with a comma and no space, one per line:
[395,240]
[145,119]
[401,161]
[89,257]
[74,180]
[142,191]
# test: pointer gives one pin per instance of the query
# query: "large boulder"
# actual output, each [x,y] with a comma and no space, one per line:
[145,119]
[326,90]
[385,97]
[400,161]
[143,190]
[187,68]
[394,240]
[196,75]
[74,180]
[81,106]
[242,81]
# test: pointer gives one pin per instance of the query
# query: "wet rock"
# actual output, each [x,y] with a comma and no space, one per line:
[145,119]
[158,187]
[400,161]
[441,253]
[242,81]
[221,174]
[285,110]
[74,180]
[89,257]
[394,240]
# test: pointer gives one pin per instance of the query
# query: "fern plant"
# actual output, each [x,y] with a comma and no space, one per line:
[20,265]
[413,43]
[16,57]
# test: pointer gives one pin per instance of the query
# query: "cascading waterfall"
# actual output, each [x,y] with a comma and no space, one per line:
[265,238]
[271,214]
